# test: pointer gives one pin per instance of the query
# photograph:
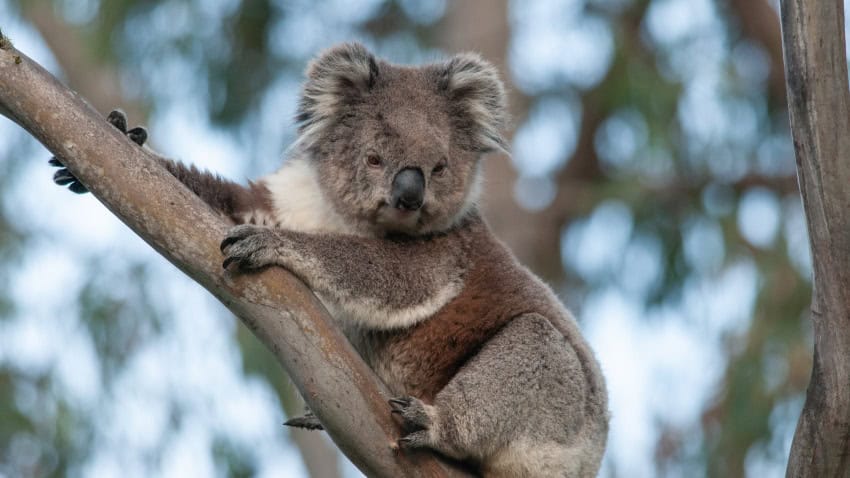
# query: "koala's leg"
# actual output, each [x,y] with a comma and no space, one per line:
[378,283]
[241,204]
[520,408]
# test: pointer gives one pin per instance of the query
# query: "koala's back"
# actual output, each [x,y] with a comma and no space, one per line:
[507,342]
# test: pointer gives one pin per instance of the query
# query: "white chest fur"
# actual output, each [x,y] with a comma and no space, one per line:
[299,202]
[300,205]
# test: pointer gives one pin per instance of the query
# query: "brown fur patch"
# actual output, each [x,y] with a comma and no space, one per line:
[235,201]
[496,290]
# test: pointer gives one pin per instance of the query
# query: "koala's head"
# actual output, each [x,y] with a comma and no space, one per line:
[398,148]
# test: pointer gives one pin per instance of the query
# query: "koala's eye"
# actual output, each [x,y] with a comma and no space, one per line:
[439,169]
[373,160]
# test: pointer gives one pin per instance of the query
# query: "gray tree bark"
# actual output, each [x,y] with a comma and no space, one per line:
[289,320]
[819,107]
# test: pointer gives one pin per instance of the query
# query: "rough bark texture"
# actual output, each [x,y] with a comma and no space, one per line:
[337,385]
[819,106]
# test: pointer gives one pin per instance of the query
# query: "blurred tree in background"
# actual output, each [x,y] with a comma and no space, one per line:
[651,183]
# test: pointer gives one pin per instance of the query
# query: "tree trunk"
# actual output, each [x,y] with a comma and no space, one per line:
[289,320]
[819,106]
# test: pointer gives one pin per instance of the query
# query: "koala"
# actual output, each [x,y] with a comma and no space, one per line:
[375,210]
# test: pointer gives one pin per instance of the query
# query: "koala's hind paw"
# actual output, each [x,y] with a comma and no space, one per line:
[412,411]
[116,118]
[418,419]
[249,246]
[420,439]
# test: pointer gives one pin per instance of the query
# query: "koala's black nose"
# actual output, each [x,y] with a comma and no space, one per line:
[408,189]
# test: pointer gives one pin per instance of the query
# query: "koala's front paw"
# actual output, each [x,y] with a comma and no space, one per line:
[416,419]
[116,118]
[250,247]
[64,177]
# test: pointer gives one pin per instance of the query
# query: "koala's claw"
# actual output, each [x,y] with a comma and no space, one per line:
[227,262]
[236,234]
[228,241]
[400,402]
[249,246]
[63,177]
[415,419]
[412,412]
[138,135]
[116,118]
[413,440]
[78,188]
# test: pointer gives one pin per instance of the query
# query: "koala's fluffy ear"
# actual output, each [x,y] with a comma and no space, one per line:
[338,76]
[477,101]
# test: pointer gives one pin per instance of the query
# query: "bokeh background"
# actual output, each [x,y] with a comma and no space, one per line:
[651,183]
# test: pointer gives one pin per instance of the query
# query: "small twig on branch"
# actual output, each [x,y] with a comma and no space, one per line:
[337,385]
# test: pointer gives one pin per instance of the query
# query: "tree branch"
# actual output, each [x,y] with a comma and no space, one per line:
[289,320]
[819,107]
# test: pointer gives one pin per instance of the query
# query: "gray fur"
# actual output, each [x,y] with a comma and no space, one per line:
[363,290]
[531,402]
[478,100]
[543,375]
[486,364]
[339,77]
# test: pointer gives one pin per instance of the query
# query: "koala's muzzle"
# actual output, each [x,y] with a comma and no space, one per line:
[408,189]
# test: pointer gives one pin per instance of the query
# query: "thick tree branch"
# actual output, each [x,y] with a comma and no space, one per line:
[338,386]
[819,106]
